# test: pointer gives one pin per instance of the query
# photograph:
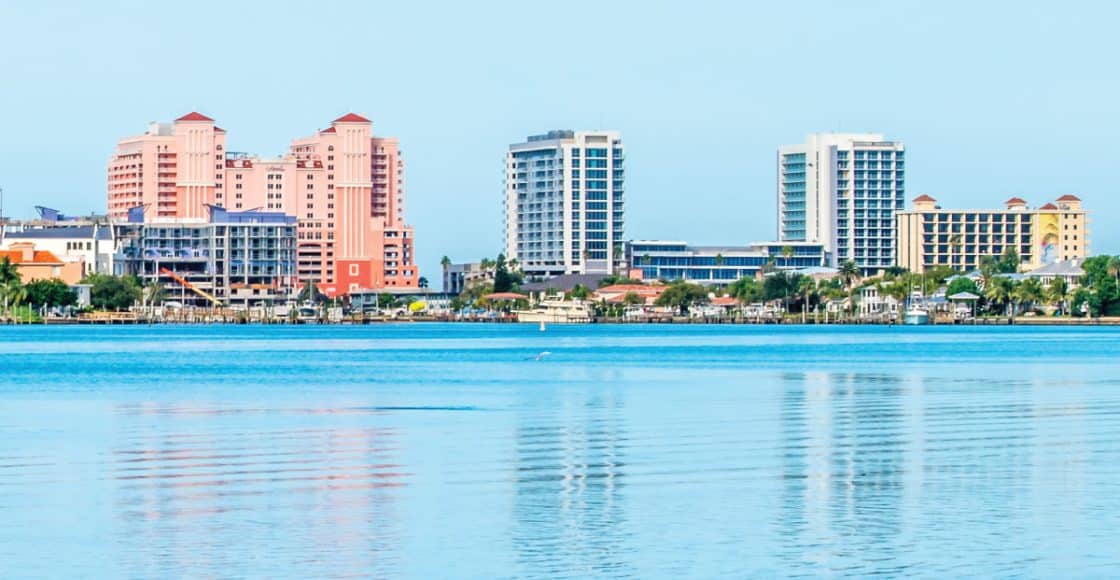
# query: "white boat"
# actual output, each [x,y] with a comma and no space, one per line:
[916,310]
[554,310]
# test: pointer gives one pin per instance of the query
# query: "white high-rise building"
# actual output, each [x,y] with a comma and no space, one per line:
[564,203]
[842,190]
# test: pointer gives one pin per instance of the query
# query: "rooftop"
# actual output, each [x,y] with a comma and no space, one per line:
[351,118]
[194,116]
[565,283]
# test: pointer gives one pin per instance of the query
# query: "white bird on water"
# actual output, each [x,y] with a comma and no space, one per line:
[543,354]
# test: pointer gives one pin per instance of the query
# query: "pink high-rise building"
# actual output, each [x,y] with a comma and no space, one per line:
[345,187]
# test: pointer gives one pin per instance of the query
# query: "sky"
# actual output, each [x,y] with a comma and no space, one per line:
[992,99]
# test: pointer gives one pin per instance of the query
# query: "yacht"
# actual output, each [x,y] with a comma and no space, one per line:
[916,310]
[556,310]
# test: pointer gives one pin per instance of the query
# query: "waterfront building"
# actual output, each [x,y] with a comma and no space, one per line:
[243,258]
[90,245]
[842,190]
[565,200]
[344,186]
[675,260]
[1070,271]
[459,277]
[33,264]
[929,235]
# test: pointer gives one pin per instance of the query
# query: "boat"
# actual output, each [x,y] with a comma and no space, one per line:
[916,310]
[555,310]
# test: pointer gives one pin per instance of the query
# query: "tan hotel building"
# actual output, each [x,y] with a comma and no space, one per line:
[930,236]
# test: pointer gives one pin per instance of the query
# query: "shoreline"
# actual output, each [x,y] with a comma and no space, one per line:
[128,319]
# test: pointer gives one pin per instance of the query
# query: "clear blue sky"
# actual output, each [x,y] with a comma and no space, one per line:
[991,98]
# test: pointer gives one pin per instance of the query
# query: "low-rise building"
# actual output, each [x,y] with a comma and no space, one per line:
[718,265]
[91,245]
[930,236]
[1069,270]
[34,264]
[459,277]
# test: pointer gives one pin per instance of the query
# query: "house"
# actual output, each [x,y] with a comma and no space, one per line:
[35,264]
[1068,270]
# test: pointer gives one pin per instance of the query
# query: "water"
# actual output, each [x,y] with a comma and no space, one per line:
[640,451]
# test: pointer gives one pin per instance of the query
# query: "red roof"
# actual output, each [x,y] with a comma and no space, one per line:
[1068,197]
[351,118]
[39,257]
[194,116]
[1015,201]
[923,197]
[330,130]
[1049,206]
[725,301]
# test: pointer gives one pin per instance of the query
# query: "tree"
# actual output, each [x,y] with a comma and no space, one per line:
[745,290]
[422,282]
[805,287]
[50,293]
[502,280]
[999,291]
[14,294]
[787,253]
[681,295]
[8,272]
[632,299]
[1056,294]
[579,292]
[112,292]
[445,262]
[849,272]
[1009,261]
[962,284]
[1028,292]
[954,247]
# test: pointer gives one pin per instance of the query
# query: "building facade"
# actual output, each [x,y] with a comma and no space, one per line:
[90,245]
[718,265]
[33,263]
[565,203]
[929,235]
[344,186]
[842,191]
[233,258]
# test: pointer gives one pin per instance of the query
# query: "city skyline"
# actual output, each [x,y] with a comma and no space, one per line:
[998,115]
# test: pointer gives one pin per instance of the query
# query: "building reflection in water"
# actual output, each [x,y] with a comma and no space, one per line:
[569,469]
[846,439]
[218,497]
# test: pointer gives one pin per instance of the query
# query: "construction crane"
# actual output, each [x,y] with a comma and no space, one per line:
[190,286]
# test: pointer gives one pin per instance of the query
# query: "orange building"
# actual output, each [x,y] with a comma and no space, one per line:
[344,186]
[35,264]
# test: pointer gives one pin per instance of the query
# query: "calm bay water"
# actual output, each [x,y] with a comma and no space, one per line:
[639,451]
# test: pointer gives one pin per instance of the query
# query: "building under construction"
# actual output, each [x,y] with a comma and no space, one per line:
[234,259]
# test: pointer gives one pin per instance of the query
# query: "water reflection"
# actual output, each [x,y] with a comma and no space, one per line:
[568,500]
[212,496]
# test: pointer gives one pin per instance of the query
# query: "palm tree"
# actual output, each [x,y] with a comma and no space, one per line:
[954,248]
[1056,294]
[999,291]
[787,253]
[8,271]
[1114,267]
[445,262]
[1029,291]
[14,295]
[849,272]
[805,286]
